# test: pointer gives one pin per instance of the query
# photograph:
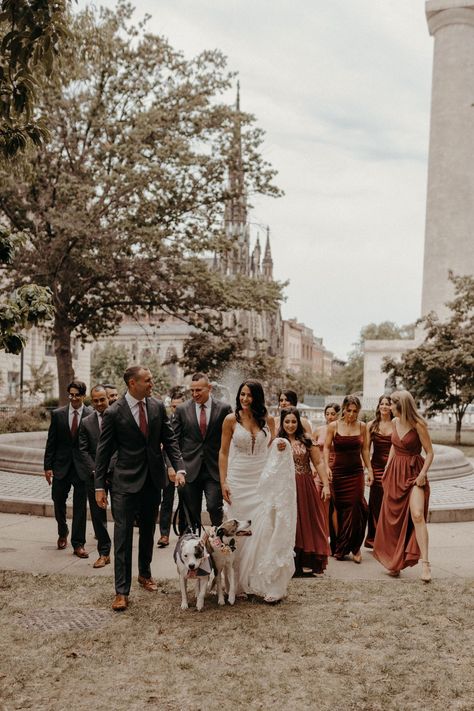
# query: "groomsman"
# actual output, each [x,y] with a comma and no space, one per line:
[136,427]
[62,467]
[112,393]
[89,433]
[198,425]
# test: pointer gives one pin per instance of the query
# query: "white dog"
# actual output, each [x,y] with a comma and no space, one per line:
[222,546]
[192,561]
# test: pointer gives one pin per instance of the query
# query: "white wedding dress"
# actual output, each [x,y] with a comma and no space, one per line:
[262,488]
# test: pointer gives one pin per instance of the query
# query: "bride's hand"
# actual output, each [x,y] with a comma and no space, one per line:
[281,445]
[226,493]
[326,493]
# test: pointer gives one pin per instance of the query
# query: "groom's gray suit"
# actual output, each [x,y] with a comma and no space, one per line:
[201,458]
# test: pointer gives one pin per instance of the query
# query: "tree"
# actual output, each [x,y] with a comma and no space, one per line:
[161,383]
[308,383]
[203,352]
[108,364]
[441,370]
[32,33]
[352,375]
[128,196]
[41,381]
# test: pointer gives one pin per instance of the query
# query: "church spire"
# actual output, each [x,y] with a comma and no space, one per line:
[267,261]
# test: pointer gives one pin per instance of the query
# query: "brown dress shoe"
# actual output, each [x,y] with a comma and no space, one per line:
[120,603]
[81,552]
[148,583]
[62,542]
[102,561]
[163,541]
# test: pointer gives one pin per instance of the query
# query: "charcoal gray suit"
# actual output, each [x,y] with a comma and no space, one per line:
[201,458]
[138,476]
[89,433]
[63,457]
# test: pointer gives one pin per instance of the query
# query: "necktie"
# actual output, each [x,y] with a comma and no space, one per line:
[142,418]
[74,423]
[100,421]
[203,421]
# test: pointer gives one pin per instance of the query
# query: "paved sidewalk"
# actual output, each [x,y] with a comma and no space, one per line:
[28,544]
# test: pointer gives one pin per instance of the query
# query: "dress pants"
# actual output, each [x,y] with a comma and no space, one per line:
[59,492]
[192,493]
[99,521]
[125,507]
[166,508]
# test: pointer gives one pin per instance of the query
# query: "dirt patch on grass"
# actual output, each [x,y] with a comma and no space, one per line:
[370,646]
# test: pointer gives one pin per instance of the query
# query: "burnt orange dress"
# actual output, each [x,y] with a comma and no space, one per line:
[312,526]
[395,544]
[381,449]
[347,526]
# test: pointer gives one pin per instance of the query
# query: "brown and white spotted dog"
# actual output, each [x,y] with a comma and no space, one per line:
[222,546]
[192,561]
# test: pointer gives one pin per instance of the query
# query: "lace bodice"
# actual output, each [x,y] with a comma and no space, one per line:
[250,445]
[301,458]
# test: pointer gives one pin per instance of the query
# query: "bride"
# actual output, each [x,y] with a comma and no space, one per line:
[258,483]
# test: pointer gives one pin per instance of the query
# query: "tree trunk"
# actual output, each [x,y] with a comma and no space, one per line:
[457,437]
[62,349]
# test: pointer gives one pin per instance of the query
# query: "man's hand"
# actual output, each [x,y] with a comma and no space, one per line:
[101,498]
[48,475]
[180,479]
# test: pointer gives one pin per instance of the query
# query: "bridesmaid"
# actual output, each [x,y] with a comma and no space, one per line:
[351,444]
[289,398]
[401,539]
[380,433]
[312,530]
[331,413]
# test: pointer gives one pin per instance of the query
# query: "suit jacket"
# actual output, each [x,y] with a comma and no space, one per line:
[199,451]
[62,450]
[136,454]
[89,433]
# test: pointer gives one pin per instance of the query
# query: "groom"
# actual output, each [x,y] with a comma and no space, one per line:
[198,425]
[136,427]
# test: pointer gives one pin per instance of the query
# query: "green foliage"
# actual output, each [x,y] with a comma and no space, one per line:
[205,353]
[128,196]
[441,370]
[41,381]
[108,364]
[161,383]
[351,376]
[26,306]
[32,33]
[308,383]
[30,420]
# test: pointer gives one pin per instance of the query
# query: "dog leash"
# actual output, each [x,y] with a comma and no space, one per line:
[182,507]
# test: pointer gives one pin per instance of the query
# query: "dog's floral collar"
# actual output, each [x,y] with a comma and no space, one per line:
[224,548]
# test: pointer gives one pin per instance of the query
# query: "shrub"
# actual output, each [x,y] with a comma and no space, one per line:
[30,420]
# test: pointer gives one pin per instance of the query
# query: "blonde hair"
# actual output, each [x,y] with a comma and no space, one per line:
[406,407]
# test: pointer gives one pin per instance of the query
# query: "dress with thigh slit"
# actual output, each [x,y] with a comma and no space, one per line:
[381,449]
[312,526]
[395,544]
[347,526]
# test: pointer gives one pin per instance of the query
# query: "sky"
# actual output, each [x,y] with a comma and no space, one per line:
[342,90]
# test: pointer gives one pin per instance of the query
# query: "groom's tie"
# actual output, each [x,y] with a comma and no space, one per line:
[142,418]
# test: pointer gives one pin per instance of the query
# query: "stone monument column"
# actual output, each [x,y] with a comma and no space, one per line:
[449,237]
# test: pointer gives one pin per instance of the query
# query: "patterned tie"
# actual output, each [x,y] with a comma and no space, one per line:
[142,418]
[203,421]
[74,423]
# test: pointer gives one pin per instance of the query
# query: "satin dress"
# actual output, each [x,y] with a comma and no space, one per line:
[395,544]
[347,526]
[381,449]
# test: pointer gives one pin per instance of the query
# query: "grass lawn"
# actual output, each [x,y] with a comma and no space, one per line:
[368,646]
[445,435]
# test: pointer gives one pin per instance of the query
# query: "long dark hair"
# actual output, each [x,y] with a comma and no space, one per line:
[300,433]
[375,426]
[257,408]
[290,395]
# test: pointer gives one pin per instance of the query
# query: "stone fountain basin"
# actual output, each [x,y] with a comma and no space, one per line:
[22,453]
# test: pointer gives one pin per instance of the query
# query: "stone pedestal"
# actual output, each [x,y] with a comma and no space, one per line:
[449,239]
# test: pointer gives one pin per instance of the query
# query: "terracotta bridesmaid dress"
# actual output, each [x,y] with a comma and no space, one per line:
[395,544]
[347,526]
[381,449]
[312,527]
